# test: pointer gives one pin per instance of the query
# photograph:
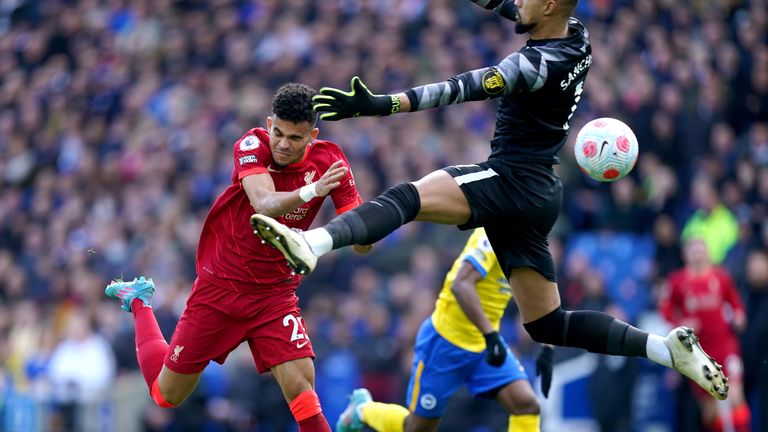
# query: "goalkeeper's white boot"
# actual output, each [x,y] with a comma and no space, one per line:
[690,360]
[288,241]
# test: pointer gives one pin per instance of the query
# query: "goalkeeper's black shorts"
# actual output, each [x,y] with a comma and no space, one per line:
[517,203]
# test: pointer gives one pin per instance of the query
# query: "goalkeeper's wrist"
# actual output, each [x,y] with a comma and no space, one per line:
[306,193]
[394,104]
[387,104]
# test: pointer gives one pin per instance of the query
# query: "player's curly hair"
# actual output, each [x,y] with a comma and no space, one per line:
[293,102]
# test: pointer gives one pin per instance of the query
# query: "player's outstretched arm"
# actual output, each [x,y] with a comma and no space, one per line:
[505,8]
[479,84]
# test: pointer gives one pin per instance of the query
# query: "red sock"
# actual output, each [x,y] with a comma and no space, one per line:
[316,423]
[150,345]
[308,414]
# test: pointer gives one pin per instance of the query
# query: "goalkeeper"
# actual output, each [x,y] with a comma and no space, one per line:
[516,195]
[460,344]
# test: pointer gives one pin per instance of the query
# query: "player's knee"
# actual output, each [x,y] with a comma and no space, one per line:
[518,398]
[167,398]
[173,398]
[170,401]
[526,405]
[549,329]
[293,390]
[405,198]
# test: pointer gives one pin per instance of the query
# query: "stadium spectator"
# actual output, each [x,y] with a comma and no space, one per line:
[80,370]
[755,350]
[712,222]
[610,387]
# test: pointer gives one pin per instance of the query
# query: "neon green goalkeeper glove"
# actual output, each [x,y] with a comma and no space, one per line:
[335,104]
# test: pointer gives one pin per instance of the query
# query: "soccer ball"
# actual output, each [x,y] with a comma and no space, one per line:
[606,149]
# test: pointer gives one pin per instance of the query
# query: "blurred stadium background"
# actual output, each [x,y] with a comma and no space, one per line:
[116,124]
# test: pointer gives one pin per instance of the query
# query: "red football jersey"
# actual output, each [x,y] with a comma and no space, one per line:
[229,253]
[700,301]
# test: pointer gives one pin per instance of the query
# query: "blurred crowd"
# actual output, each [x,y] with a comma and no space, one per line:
[117,120]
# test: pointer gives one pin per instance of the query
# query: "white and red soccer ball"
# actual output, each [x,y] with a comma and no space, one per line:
[606,149]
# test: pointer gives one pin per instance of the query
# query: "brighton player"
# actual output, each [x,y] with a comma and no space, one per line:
[244,291]
[515,194]
[703,296]
[460,345]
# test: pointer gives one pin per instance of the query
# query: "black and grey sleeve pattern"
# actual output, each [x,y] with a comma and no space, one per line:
[516,73]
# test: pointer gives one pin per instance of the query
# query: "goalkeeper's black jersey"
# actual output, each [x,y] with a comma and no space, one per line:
[538,88]
[532,120]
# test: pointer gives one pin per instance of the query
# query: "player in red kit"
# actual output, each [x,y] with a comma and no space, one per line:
[703,296]
[244,290]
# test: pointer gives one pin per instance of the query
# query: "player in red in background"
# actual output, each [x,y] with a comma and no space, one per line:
[244,290]
[702,296]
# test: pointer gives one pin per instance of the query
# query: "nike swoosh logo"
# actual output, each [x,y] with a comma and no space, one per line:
[270,169]
[301,344]
[602,147]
